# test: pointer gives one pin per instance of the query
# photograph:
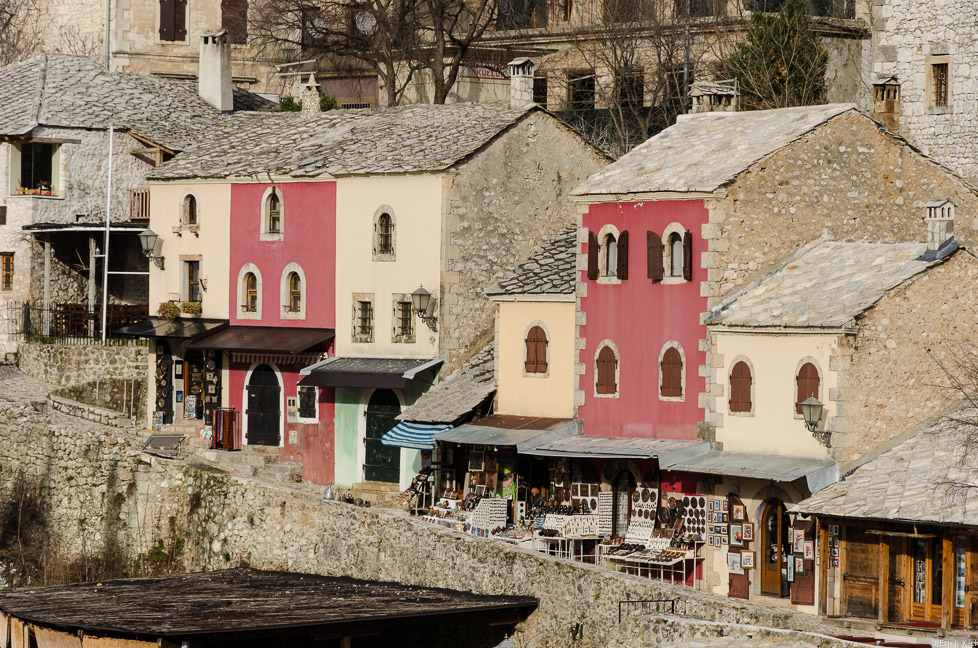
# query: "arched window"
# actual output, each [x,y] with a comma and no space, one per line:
[295,292]
[190,210]
[808,384]
[610,245]
[675,255]
[273,213]
[671,374]
[385,234]
[536,351]
[606,379]
[250,293]
[740,388]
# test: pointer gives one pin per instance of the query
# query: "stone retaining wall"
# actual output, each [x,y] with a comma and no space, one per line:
[114,398]
[59,364]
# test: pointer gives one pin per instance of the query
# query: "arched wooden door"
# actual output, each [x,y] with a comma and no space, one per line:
[264,411]
[774,543]
[381,463]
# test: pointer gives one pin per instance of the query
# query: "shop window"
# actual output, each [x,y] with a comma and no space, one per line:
[403,319]
[36,169]
[272,213]
[234,20]
[173,20]
[363,318]
[307,403]
[7,271]
[808,383]
[580,90]
[537,351]
[671,372]
[384,235]
[191,281]
[741,387]
[190,210]
[606,371]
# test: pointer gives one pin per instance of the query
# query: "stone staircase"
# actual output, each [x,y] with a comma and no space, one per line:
[382,494]
[256,461]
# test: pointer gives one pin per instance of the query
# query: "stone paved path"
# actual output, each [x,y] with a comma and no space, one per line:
[15,387]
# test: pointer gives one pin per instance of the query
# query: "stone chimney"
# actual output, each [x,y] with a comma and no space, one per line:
[940,223]
[520,82]
[310,95]
[714,96]
[214,79]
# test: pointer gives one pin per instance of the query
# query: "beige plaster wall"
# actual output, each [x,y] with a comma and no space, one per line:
[772,427]
[415,202]
[211,243]
[521,394]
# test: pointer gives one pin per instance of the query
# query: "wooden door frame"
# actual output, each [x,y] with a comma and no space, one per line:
[365,394]
[244,400]
[765,544]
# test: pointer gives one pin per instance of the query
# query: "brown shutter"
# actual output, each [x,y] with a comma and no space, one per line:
[672,373]
[536,351]
[622,270]
[530,366]
[3,214]
[607,363]
[807,382]
[166,19]
[592,256]
[179,20]
[653,244]
[740,384]
[688,256]
[541,351]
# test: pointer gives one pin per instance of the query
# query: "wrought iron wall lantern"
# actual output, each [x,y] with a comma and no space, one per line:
[150,241]
[811,411]
[421,300]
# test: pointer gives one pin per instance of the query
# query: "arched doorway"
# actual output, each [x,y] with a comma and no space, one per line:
[776,549]
[623,486]
[381,463]
[264,413]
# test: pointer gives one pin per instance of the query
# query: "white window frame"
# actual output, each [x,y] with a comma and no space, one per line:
[285,294]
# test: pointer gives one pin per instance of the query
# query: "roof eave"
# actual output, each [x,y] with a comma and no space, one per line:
[559,298]
[648,196]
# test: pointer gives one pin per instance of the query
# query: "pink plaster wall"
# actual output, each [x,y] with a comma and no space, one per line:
[640,317]
[309,225]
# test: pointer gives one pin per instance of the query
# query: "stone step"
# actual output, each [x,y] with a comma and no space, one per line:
[285,472]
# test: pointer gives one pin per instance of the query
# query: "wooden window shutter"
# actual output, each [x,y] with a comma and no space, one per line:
[179,20]
[607,364]
[807,384]
[592,256]
[536,351]
[740,384]
[622,270]
[167,12]
[688,256]
[653,244]
[672,374]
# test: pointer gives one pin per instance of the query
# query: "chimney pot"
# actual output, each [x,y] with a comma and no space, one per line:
[520,82]
[940,223]
[714,96]
[214,77]
[310,96]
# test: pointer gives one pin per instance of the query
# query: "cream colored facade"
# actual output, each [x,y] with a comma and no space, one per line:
[549,394]
[415,204]
[772,426]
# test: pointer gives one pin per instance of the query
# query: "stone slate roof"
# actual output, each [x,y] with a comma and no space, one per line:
[704,151]
[342,142]
[550,271]
[458,394]
[826,284]
[77,92]
[913,482]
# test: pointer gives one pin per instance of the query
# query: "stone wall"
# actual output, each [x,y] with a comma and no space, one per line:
[59,364]
[504,203]
[105,400]
[100,489]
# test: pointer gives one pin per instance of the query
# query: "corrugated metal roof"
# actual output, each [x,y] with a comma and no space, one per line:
[391,373]
[523,439]
[819,472]
[159,327]
[272,339]
[668,451]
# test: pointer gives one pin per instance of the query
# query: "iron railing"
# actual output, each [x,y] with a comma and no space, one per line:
[652,606]
[72,323]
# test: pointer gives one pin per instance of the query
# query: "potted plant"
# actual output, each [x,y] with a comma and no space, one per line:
[168,310]
[191,308]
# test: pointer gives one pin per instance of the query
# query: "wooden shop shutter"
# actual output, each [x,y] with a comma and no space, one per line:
[536,351]
[622,270]
[607,364]
[860,574]
[740,384]
[738,585]
[688,256]
[803,587]
[592,256]
[167,12]
[672,373]
[653,245]
[807,384]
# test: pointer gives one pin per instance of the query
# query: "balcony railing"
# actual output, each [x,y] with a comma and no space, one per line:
[72,323]
[139,205]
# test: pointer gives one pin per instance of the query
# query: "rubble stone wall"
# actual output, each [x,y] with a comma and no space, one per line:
[59,364]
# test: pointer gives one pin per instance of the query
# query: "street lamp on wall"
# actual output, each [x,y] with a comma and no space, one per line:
[811,411]
[150,240]
[421,300]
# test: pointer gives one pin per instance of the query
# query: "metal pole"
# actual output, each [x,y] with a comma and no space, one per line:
[686,61]
[105,254]
[108,21]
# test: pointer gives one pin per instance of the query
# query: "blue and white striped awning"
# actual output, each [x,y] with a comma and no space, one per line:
[420,436]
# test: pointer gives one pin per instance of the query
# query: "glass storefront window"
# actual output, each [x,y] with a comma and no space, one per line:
[959,570]
[920,571]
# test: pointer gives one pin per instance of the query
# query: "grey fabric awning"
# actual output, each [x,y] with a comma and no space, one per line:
[379,373]
[819,473]
[523,439]
[668,451]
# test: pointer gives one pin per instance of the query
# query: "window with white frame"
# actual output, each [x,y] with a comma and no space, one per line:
[272,215]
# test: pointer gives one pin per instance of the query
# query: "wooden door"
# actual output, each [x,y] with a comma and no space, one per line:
[738,584]
[264,412]
[381,462]
[774,538]
[971,584]
[898,580]
[803,587]
[860,575]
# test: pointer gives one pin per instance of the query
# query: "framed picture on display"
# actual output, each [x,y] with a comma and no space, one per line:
[799,565]
[809,550]
[799,543]
[724,504]
[736,535]
[833,529]
[748,531]
[747,559]
[738,511]
[476,461]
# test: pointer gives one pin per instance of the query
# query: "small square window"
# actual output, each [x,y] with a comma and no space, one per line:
[402,318]
[307,402]
[363,317]
[939,84]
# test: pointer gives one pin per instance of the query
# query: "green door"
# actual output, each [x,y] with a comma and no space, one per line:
[382,463]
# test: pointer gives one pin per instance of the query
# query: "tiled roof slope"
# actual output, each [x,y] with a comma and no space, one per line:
[702,152]
[77,92]
[342,142]
[460,393]
[550,271]
[914,481]
[825,284]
